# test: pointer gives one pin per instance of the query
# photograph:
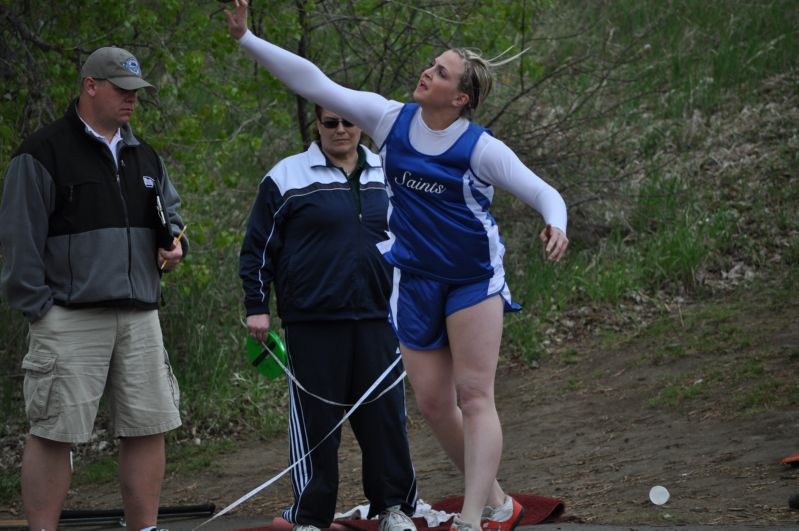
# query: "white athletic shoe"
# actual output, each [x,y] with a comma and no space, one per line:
[460,525]
[393,519]
[303,527]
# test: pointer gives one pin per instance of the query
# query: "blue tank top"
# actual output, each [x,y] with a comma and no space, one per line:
[438,219]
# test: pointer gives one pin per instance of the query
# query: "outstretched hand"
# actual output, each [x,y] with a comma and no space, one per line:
[556,243]
[237,19]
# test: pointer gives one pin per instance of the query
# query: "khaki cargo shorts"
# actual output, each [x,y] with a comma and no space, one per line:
[75,356]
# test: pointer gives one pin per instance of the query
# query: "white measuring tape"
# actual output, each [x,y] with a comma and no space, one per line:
[291,376]
[325,400]
[355,406]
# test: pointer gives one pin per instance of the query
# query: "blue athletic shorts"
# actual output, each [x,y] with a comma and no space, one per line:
[419,306]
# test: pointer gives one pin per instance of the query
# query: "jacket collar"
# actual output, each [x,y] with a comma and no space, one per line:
[317,158]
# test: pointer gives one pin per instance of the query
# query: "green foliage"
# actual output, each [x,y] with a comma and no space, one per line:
[9,487]
[102,469]
[678,393]
[186,458]
[668,353]
[766,393]
[181,458]
[698,51]
[729,356]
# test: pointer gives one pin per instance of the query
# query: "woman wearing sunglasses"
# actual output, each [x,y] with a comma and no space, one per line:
[449,290]
[313,233]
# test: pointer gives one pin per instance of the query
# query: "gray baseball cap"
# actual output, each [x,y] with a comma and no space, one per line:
[116,65]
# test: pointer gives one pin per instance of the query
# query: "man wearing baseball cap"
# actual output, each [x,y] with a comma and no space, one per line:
[116,65]
[88,221]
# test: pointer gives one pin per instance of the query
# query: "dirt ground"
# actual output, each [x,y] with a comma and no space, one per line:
[584,432]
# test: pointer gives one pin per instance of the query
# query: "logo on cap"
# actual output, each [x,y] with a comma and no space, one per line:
[132,65]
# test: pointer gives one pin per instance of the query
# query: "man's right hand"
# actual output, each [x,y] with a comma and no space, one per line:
[237,20]
[258,325]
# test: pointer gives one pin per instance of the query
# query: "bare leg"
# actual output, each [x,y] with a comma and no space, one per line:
[475,334]
[142,461]
[45,481]
[433,378]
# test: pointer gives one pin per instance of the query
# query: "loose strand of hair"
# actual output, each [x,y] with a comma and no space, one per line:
[495,61]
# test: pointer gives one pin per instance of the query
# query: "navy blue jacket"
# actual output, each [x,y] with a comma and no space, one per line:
[307,236]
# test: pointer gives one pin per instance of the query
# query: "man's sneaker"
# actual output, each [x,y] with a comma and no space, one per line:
[304,527]
[393,519]
[503,518]
[460,525]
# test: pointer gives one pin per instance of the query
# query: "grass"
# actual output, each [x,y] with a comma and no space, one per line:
[9,488]
[209,352]
[700,51]
[180,459]
[676,393]
[723,355]
[761,397]
[669,353]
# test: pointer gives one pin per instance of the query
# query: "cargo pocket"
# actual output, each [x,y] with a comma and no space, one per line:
[40,401]
[173,382]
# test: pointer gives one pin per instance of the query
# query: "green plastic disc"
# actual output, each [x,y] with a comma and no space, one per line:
[261,359]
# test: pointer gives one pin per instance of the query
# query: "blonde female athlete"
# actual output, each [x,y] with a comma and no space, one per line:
[449,290]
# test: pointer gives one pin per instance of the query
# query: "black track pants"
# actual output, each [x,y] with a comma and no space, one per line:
[339,361]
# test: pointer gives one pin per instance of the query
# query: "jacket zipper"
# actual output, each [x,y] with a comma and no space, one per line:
[127,219]
[357,191]
[69,249]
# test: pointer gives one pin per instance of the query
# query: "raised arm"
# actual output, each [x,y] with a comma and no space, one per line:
[365,109]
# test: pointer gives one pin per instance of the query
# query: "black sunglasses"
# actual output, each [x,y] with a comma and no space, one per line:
[332,123]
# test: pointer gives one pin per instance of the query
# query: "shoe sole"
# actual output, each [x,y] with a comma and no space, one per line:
[518,519]
[514,524]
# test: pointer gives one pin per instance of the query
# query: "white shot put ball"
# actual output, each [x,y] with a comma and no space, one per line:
[658,495]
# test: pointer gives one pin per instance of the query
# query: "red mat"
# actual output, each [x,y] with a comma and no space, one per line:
[537,510]
[792,460]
